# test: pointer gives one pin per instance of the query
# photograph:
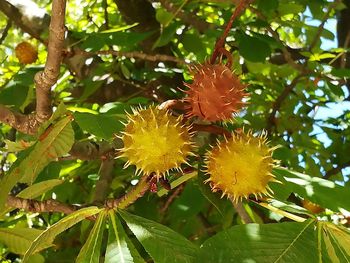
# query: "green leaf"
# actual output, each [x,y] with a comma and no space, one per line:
[91,250]
[101,125]
[267,6]
[120,247]
[37,189]
[163,17]
[283,242]
[193,43]
[59,112]
[213,198]
[166,36]
[18,240]
[53,143]
[57,141]
[320,191]
[253,48]
[50,234]
[17,146]
[125,71]
[163,244]
[290,8]
[336,240]
[7,98]
[341,72]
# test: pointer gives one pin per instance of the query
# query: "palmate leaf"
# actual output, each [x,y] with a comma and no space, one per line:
[163,244]
[18,240]
[335,242]
[49,234]
[282,243]
[120,248]
[56,141]
[320,191]
[91,250]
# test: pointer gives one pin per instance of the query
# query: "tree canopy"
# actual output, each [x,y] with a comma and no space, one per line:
[174,131]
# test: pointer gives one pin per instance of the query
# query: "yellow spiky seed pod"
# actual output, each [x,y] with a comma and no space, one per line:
[241,166]
[155,141]
[26,53]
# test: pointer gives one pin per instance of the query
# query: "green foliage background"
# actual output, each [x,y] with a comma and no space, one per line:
[289,74]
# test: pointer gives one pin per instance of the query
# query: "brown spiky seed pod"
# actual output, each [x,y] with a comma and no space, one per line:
[26,53]
[216,93]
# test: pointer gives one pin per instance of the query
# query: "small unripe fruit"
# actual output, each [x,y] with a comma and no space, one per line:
[155,141]
[241,166]
[216,93]
[26,53]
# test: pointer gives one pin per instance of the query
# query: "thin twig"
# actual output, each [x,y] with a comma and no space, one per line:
[172,197]
[286,54]
[5,31]
[242,212]
[103,184]
[187,18]
[221,41]
[343,59]
[336,170]
[135,54]
[321,26]
[278,102]
[105,13]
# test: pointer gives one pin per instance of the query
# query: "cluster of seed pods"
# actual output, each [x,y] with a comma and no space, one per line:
[156,141]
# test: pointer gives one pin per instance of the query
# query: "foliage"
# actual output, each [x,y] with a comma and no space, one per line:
[76,201]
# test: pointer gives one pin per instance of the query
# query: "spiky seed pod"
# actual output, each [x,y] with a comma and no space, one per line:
[155,141]
[216,93]
[26,53]
[241,166]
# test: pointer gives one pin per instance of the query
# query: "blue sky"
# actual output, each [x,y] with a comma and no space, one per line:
[334,109]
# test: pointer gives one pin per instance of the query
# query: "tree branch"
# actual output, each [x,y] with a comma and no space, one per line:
[242,212]
[40,206]
[336,170]
[5,31]
[26,23]
[44,80]
[277,104]
[187,18]
[321,26]
[89,150]
[135,54]
[23,123]
[135,193]
[103,184]
[288,57]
